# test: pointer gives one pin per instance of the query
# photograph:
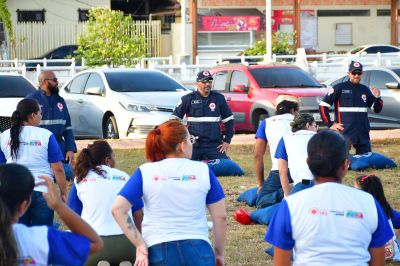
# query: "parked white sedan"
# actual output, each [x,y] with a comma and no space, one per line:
[13,88]
[120,103]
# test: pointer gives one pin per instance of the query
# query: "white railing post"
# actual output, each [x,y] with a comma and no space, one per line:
[23,71]
[242,58]
[378,58]
[183,71]
[170,60]
[197,60]
[38,70]
[219,59]
[83,62]
[274,58]
[72,67]
[142,63]
[44,62]
[324,58]
[15,62]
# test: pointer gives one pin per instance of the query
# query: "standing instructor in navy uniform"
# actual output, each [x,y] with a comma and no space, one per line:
[205,110]
[351,101]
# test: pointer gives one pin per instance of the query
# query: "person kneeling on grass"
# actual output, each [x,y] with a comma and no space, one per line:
[95,187]
[330,223]
[39,245]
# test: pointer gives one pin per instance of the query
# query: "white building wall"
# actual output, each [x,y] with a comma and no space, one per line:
[57,11]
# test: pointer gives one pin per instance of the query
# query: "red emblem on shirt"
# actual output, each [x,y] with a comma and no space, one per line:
[212,106]
[60,106]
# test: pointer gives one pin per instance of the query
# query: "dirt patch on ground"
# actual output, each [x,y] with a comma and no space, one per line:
[237,139]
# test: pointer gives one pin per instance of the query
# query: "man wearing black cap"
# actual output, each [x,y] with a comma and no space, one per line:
[351,101]
[205,111]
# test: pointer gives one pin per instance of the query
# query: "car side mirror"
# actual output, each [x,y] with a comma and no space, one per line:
[240,88]
[93,91]
[392,85]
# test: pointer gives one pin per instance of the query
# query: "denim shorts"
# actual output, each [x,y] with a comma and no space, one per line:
[38,212]
[193,252]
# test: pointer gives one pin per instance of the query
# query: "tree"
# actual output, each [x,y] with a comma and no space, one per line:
[110,38]
[282,43]
[5,16]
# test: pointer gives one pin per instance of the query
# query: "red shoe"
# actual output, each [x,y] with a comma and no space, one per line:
[242,217]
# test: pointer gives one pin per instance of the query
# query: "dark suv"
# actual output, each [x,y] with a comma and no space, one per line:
[252,91]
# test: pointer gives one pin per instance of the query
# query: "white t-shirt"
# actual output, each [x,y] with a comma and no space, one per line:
[38,148]
[93,197]
[272,130]
[42,245]
[293,148]
[329,224]
[175,193]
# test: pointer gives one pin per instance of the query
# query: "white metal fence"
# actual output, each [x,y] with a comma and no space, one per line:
[34,39]
[322,67]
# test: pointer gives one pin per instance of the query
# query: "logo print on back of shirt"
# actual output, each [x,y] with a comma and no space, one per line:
[26,261]
[212,107]
[60,106]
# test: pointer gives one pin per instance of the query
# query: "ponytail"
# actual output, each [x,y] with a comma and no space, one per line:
[8,245]
[15,130]
[91,158]
[25,108]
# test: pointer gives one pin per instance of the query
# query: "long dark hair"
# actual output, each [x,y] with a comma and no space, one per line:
[300,121]
[16,186]
[25,108]
[326,150]
[91,157]
[373,185]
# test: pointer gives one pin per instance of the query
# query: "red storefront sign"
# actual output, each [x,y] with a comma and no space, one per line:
[281,17]
[230,23]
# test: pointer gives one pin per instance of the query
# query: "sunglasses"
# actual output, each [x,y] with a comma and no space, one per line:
[53,79]
[206,81]
[356,73]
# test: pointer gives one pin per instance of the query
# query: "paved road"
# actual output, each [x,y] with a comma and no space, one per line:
[237,139]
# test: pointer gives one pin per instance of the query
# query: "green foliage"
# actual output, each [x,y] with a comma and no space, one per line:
[5,16]
[282,43]
[110,38]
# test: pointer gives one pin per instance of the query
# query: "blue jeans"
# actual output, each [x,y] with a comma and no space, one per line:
[271,192]
[38,213]
[193,252]
[208,151]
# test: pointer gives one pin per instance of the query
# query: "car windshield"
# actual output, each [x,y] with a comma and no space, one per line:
[14,87]
[397,71]
[141,81]
[283,78]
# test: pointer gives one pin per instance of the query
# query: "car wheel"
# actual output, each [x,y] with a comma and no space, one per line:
[110,129]
[260,118]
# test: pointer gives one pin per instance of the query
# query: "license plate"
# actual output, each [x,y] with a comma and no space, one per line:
[318,118]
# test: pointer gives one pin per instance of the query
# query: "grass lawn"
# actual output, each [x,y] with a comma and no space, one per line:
[245,245]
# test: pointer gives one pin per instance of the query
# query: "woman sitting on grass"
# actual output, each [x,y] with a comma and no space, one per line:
[176,192]
[39,245]
[372,185]
[95,187]
[330,223]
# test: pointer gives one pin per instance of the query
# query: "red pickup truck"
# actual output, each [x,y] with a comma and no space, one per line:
[253,91]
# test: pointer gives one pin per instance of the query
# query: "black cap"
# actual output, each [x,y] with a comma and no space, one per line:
[203,76]
[355,66]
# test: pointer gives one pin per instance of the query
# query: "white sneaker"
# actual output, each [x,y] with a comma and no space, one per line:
[103,263]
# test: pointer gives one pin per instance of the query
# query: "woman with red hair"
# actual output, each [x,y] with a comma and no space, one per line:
[176,192]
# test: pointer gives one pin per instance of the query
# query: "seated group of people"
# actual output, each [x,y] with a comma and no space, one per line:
[170,188]
[317,217]
[174,192]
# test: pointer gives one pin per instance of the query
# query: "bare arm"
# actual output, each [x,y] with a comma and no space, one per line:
[59,174]
[283,174]
[218,215]
[73,221]
[120,210]
[377,256]
[259,152]
[282,257]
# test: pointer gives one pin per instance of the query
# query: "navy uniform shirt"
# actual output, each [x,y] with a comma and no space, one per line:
[351,102]
[204,116]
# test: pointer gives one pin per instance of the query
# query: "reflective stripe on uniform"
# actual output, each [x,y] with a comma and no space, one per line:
[227,119]
[353,109]
[324,104]
[68,128]
[53,122]
[204,119]
[174,117]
